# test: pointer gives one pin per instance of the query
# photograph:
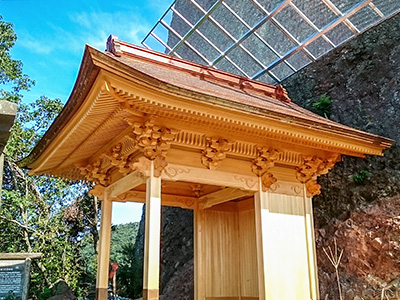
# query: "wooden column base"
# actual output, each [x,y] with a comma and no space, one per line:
[150,294]
[101,294]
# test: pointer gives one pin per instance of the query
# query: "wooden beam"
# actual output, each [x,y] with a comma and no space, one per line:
[186,202]
[104,249]
[151,263]
[222,196]
[125,184]
[175,172]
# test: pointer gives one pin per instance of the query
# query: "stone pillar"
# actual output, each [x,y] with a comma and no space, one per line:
[151,264]
[104,249]
[285,246]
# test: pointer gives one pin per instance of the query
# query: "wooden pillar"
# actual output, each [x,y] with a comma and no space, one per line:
[259,199]
[285,246]
[151,264]
[199,279]
[312,258]
[104,249]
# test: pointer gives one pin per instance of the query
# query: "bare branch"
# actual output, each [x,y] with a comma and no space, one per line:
[19,224]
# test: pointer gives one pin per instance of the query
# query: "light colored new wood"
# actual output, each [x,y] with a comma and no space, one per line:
[151,264]
[221,254]
[202,175]
[248,252]
[260,198]
[199,255]
[125,184]
[312,257]
[166,199]
[222,196]
[242,251]
[283,248]
[104,246]
[231,298]
[229,250]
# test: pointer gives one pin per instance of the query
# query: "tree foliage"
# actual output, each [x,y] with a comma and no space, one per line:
[11,70]
[39,213]
[46,214]
[123,239]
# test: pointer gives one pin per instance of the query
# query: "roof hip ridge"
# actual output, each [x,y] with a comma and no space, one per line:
[120,48]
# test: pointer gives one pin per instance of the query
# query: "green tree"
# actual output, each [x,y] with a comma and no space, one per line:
[39,213]
[11,70]
[36,213]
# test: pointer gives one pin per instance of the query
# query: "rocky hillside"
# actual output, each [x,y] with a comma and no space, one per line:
[360,203]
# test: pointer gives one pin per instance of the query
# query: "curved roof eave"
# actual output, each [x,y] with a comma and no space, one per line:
[94,60]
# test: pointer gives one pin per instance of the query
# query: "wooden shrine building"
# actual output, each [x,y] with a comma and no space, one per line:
[152,128]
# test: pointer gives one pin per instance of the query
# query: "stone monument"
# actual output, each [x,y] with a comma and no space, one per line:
[14,274]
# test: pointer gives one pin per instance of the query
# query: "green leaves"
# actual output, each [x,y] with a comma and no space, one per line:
[32,212]
[323,107]
[361,176]
[11,70]
[31,122]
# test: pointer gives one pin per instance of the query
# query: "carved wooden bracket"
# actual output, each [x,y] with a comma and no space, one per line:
[117,159]
[94,172]
[197,190]
[154,141]
[97,191]
[264,161]
[312,167]
[215,152]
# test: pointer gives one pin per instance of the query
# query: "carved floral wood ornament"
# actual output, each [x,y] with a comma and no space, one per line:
[94,172]
[154,141]
[264,161]
[117,159]
[215,152]
[312,167]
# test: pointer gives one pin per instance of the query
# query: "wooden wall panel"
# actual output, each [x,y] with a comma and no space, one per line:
[222,269]
[248,254]
[286,249]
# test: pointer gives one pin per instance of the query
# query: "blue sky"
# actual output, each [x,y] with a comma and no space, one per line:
[51,39]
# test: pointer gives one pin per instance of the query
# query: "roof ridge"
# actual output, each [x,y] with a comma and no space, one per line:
[121,48]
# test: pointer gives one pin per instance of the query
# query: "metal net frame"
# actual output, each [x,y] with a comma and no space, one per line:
[267,40]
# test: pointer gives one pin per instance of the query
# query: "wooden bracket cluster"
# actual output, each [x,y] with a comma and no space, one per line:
[264,161]
[154,141]
[215,152]
[94,172]
[312,167]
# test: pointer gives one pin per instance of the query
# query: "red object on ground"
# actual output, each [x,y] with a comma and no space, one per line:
[112,269]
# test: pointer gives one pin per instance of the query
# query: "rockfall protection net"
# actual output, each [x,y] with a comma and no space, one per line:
[267,40]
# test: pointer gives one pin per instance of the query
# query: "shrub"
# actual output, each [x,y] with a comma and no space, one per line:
[361,176]
[323,107]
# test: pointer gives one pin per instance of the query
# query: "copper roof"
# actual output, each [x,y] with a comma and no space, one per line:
[196,82]
[251,95]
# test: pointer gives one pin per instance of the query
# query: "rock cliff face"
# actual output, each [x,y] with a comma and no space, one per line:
[176,263]
[360,203]
[362,79]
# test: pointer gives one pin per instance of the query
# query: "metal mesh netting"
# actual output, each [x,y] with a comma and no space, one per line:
[267,40]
